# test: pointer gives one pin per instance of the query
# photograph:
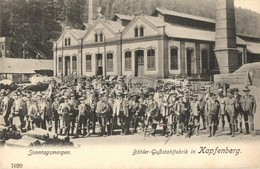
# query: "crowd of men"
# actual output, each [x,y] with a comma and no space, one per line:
[129,108]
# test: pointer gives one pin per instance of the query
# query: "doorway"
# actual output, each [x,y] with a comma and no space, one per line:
[139,63]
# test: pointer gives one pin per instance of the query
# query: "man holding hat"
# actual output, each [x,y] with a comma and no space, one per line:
[248,104]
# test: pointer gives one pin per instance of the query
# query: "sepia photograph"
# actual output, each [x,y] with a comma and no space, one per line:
[129,84]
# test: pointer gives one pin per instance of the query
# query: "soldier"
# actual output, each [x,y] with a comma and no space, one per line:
[230,111]
[238,110]
[248,104]
[91,101]
[135,111]
[212,109]
[102,111]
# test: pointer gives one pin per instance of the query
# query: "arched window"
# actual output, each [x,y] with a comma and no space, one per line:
[136,32]
[88,63]
[60,66]
[96,37]
[128,60]
[151,59]
[110,62]
[66,42]
[141,31]
[101,37]
[174,58]
[74,63]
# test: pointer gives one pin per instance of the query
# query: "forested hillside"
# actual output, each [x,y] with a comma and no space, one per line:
[34,24]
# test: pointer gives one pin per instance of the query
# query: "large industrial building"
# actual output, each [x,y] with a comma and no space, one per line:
[159,45]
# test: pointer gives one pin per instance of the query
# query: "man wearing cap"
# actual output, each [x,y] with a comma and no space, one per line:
[91,101]
[212,109]
[17,107]
[82,118]
[230,110]
[179,115]
[248,104]
[32,114]
[238,110]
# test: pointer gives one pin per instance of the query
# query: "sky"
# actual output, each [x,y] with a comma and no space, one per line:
[254,5]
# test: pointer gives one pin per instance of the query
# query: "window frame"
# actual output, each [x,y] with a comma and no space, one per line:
[88,64]
[174,59]
[151,62]
[74,63]
[60,64]
[141,31]
[136,32]
[110,62]
[128,60]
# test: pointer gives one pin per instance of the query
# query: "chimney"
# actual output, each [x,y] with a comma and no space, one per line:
[226,46]
[92,10]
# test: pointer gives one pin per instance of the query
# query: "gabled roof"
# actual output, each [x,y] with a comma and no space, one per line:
[25,66]
[123,17]
[183,15]
[158,22]
[79,33]
[117,27]
[175,31]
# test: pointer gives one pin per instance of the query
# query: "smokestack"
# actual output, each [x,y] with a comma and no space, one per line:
[226,46]
[92,10]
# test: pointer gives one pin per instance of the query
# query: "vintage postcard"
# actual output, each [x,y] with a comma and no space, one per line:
[129,84]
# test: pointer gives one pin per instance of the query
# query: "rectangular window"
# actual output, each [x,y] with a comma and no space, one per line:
[88,63]
[174,59]
[110,62]
[128,60]
[68,41]
[3,47]
[151,59]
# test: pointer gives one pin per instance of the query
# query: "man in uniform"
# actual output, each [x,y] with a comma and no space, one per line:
[64,110]
[248,104]
[195,114]
[222,99]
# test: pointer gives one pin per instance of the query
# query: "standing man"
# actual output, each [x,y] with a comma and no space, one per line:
[212,109]
[238,110]
[230,110]
[248,104]
[73,113]
[152,113]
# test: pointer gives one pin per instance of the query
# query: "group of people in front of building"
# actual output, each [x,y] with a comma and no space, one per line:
[115,107]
